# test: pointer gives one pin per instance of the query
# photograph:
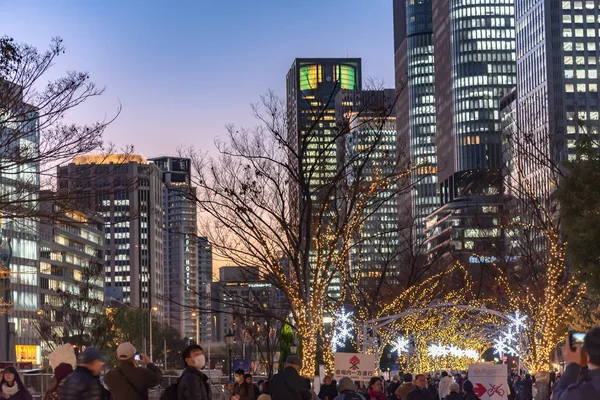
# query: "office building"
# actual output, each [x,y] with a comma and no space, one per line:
[19,251]
[371,123]
[474,69]
[127,192]
[180,245]
[71,279]
[238,298]
[557,81]
[205,276]
[312,85]
[416,113]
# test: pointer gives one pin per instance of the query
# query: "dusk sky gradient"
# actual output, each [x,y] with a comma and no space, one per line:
[184,69]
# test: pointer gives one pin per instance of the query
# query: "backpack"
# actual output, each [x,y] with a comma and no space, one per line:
[170,392]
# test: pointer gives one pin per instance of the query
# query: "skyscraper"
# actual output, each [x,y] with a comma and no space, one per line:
[416,110]
[372,128]
[312,85]
[557,80]
[180,243]
[19,245]
[127,192]
[474,69]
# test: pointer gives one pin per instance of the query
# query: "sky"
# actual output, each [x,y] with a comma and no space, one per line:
[182,70]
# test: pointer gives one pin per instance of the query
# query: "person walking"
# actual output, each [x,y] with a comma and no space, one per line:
[444,385]
[266,391]
[406,387]
[347,391]
[527,390]
[469,393]
[12,386]
[61,371]
[454,392]
[243,388]
[288,384]
[328,390]
[375,390]
[129,381]
[193,384]
[227,391]
[420,392]
[84,382]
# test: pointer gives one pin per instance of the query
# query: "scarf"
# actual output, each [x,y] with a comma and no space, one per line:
[10,390]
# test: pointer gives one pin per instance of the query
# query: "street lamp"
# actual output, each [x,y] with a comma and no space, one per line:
[197,316]
[229,340]
[150,320]
[293,347]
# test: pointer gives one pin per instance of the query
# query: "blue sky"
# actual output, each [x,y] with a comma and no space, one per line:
[184,69]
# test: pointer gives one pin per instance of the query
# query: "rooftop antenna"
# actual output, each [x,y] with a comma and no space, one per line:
[346,53]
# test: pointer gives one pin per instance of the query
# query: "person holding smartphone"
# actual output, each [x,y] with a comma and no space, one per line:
[572,385]
[130,381]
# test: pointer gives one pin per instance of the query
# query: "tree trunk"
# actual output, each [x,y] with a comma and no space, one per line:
[542,383]
[308,337]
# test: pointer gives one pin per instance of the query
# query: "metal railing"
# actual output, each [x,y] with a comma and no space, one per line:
[38,385]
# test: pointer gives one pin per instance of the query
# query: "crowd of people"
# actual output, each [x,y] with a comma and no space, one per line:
[133,379]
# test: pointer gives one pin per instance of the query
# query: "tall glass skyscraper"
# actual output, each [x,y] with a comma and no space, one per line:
[475,68]
[413,31]
[557,79]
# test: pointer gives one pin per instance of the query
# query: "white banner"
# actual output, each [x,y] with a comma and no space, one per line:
[356,366]
[490,381]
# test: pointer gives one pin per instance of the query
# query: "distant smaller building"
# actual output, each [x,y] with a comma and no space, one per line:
[71,271]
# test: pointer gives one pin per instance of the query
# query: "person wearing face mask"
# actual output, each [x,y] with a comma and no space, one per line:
[130,381]
[242,390]
[84,382]
[193,384]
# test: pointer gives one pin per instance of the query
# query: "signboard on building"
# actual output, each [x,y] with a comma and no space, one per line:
[490,381]
[356,366]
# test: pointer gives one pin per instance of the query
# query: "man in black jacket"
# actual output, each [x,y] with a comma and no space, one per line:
[242,389]
[420,392]
[83,383]
[288,384]
[193,384]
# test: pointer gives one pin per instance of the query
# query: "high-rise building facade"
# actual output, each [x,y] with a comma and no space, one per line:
[71,276]
[127,192]
[19,240]
[205,278]
[180,243]
[474,69]
[312,85]
[416,110]
[371,120]
[557,80]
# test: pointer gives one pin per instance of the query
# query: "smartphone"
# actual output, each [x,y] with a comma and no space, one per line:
[137,357]
[576,339]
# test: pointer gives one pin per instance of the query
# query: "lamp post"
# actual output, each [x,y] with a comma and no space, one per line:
[293,348]
[229,340]
[150,322]
[197,316]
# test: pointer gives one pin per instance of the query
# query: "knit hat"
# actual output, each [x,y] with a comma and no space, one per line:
[62,371]
[468,386]
[345,384]
[91,354]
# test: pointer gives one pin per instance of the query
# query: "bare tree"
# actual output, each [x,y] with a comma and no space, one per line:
[272,194]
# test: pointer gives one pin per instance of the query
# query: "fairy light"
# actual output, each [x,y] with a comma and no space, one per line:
[400,345]
[342,328]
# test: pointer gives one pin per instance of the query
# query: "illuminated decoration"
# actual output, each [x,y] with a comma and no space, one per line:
[439,350]
[346,76]
[310,76]
[343,328]
[400,346]
[101,159]
[509,341]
